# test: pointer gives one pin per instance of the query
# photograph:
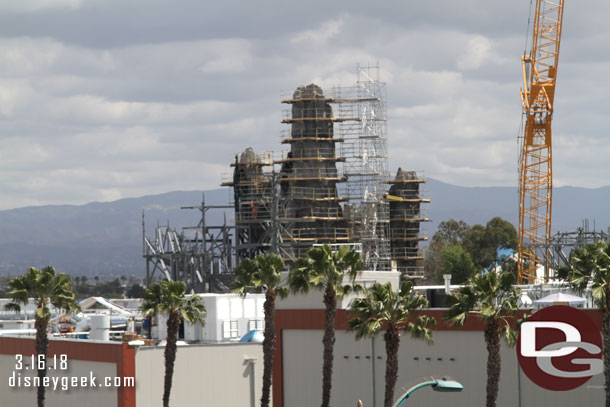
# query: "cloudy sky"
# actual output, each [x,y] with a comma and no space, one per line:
[107,99]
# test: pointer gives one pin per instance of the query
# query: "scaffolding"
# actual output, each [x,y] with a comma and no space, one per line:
[331,185]
[363,127]
[311,171]
[351,132]
[406,214]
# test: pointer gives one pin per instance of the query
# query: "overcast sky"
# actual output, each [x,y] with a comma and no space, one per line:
[107,99]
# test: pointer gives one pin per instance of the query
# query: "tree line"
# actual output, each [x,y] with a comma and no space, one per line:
[463,251]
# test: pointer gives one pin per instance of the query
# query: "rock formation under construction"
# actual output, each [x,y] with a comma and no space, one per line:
[405,217]
[309,175]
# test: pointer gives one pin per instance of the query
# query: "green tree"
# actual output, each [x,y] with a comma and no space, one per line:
[263,274]
[385,309]
[491,297]
[169,297]
[449,233]
[45,287]
[483,242]
[458,263]
[108,289]
[480,242]
[135,291]
[590,266]
[325,270]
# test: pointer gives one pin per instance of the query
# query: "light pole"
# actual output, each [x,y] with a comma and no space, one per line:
[443,385]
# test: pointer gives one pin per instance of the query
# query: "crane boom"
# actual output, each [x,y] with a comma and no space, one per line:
[536,169]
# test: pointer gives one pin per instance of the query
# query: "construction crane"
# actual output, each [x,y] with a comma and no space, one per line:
[536,163]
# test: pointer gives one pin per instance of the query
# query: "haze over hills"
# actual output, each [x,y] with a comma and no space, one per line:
[105,239]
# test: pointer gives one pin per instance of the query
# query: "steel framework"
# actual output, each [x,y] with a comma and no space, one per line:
[536,176]
[201,256]
[562,243]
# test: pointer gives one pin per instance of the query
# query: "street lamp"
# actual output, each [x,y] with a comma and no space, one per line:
[443,385]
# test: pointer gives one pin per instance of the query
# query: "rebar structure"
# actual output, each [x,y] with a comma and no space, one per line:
[201,256]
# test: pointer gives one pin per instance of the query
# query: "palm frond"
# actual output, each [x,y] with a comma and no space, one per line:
[13,306]
[490,294]
[383,307]
[170,297]
[45,286]
[322,267]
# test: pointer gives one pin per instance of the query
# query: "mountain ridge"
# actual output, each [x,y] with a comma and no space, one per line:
[105,238]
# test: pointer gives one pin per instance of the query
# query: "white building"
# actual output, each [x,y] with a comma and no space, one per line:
[228,318]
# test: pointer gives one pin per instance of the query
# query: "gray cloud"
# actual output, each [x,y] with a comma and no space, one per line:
[102,100]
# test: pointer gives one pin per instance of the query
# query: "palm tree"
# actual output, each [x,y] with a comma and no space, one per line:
[492,297]
[169,297]
[590,265]
[45,287]
[385,309]
[263,274]
[325,270]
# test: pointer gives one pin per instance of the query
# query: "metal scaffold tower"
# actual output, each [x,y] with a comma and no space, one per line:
[201,256]
[364,149]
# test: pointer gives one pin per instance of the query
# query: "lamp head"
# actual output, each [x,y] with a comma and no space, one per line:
[445,385]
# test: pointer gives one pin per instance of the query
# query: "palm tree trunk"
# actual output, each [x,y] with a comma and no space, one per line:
[173,324]
[42,343]
[392,342]
[606,336]
[330,301]
[268,346]
[492,339]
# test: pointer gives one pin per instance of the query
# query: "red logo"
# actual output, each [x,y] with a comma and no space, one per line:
[560,348]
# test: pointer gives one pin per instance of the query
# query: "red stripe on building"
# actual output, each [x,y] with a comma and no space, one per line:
[122,355]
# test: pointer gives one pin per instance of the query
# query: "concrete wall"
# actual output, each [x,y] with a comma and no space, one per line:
[359,371]
[205,375]
[85,359]
[89,396]
[313,300]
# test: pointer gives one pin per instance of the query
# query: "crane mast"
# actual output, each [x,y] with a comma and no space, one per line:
[536,163]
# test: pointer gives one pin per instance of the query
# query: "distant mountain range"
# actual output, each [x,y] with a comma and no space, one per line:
[105,239]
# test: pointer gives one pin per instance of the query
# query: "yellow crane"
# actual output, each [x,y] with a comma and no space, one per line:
[536,163]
